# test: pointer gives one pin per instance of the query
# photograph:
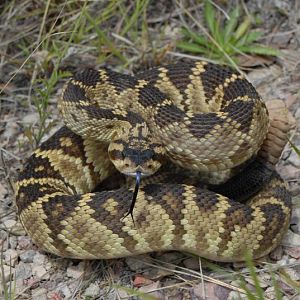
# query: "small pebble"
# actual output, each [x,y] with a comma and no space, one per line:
[277,253]
[93,290]
[11,257]
[270,293]
[293,252]
[9,224]
[39,294]
[65,290]
[39,258]
[262,282]
[291,239]
[24,242]
[40,272]
[293,274]
[27,256]
[234,295]
[23,271]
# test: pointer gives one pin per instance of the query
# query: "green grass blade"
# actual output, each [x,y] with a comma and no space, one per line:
[240,43]
[104,39]
[278,293]
[210,16]
[253,274]
[190,47]
[140,7]
[253,37]
[242,28]
[195,37]
[231,24]
[260,50]
[295,148]
[243,286]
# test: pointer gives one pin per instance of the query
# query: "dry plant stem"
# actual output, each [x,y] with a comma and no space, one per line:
[25,61]
[2,34]
[202,279]
[194,274]
[193,57]
[34,73]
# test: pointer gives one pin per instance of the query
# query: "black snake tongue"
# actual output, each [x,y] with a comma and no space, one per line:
[136,189]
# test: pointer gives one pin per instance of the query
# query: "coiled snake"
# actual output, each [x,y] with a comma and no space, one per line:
[202,122]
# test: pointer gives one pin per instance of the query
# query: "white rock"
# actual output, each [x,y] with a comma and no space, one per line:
[30,118]
[28,255]
[291,239]
[93,290]
[39,294]
[234,295]
[286,260]
[270,293]
[261,281]
[66,291]
[40,272]
[9,224]
[293,274]
[23,271]
[13,242]
[48,266]
[24,242]
[295,220]
[11,257]
[39,258]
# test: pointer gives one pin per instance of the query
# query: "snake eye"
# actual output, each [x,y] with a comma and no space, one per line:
[116,155]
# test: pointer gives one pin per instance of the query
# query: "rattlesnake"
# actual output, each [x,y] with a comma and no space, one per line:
[203,123]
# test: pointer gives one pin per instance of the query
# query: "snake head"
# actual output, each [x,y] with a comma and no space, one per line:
[129,160]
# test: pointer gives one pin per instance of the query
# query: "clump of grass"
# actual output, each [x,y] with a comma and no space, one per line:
[228,38]
[87,29]
[41,103]
[258,292]
[46,86]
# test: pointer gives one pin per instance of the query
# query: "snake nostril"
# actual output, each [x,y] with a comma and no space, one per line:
[126,165]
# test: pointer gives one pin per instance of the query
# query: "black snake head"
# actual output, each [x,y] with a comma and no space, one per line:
[136,152]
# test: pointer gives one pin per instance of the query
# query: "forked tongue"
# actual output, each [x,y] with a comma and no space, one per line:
[136,189]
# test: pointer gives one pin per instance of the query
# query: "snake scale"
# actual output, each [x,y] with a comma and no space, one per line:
[200,137]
